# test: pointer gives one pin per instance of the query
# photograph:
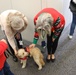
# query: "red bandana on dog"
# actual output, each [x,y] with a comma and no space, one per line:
[23,58]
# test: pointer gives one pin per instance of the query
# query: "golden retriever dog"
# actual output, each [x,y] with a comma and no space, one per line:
[37,56]
[22,55]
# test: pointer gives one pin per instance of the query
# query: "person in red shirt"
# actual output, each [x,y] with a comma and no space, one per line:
[4,67]
[48,22]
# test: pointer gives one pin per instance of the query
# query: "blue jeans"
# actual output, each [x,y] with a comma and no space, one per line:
[6,70]
[72,28]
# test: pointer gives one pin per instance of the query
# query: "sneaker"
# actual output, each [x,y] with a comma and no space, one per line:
[70,36]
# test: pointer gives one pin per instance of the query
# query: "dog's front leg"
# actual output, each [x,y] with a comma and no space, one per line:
[24,64]
[21,61]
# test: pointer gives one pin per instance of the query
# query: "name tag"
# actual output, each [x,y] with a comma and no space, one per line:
[21,42]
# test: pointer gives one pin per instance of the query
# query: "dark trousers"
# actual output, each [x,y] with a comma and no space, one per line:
[52,46]
[18,40]
[6,70]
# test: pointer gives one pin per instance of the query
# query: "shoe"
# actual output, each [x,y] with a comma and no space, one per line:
[70,36]
[15,59]
[53,60]
[48,60]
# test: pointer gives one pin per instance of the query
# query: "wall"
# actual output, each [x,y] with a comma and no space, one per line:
[30,8]
[57,4]
[66,12]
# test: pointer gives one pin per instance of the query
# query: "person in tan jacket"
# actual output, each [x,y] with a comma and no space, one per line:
[13,22]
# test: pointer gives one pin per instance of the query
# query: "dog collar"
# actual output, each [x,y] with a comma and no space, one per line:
[23,58]
[27,49]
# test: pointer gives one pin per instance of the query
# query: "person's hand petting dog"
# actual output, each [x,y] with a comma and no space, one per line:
[32,46]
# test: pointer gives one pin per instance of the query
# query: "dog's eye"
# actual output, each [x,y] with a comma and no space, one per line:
[23,53]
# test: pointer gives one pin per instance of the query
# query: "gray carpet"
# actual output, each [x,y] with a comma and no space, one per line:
[65,63]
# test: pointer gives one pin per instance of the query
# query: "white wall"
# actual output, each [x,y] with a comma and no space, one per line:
[57,4]
[30,8]
[4,5]
[66,12]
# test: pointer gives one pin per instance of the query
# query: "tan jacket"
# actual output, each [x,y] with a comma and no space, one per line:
[8,31]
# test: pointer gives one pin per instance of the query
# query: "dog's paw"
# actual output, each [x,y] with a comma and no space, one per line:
[21,62]
[39,68]
[23,66]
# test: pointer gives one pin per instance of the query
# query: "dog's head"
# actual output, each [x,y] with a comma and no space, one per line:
[22,53]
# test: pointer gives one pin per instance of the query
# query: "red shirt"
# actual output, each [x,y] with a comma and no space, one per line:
[3,47]
[55,14]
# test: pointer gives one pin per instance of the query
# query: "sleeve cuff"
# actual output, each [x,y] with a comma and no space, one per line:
[35,41]
[54,36]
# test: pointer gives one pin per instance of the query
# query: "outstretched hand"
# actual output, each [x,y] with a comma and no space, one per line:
[32,45]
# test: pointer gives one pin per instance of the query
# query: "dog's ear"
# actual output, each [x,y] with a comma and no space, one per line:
[24,48]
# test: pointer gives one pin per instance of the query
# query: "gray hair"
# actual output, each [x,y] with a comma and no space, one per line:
[44,21]
[45,17]
[16,21]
